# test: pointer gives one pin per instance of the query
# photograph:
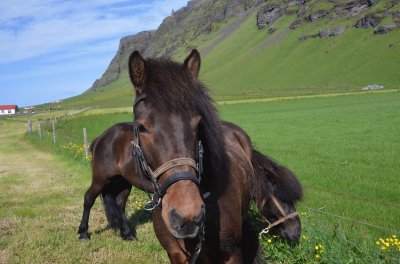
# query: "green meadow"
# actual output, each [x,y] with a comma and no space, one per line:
[344,149]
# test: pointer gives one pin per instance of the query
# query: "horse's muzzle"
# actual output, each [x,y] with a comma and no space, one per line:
[184,227]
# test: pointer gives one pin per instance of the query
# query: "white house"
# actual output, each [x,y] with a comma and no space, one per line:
[8,109]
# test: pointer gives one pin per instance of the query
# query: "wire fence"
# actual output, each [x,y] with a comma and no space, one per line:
[46,132]
[320,211]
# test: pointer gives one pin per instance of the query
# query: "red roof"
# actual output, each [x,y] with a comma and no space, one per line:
[6,107]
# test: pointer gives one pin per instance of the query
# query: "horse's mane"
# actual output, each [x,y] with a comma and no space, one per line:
[183,95]
[268,174]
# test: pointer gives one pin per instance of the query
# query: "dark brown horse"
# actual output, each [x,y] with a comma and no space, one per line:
[114,164]
[173,115]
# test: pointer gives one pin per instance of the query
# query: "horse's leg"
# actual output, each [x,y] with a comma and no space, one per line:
[121,199]
[231,224]
[89,199]
[231,252]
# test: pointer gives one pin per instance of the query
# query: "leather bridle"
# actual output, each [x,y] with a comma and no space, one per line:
[284,217]
[154,176]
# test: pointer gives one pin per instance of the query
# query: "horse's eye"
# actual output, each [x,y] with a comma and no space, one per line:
[142,129]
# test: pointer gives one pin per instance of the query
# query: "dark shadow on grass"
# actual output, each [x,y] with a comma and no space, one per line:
[139,217]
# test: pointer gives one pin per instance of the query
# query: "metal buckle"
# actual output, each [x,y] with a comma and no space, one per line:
[264,231]
[151,205]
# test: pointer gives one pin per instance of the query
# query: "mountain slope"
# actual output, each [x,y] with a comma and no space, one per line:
[257,49]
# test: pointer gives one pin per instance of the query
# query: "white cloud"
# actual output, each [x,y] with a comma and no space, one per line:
[66,44]
[38,27]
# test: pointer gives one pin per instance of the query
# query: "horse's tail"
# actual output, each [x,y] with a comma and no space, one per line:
[110,206]
[269,173]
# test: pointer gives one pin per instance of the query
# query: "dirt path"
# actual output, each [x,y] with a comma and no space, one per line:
[17,157]
[26,174]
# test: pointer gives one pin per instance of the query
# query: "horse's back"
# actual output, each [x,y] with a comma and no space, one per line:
[110,148]
[237,136]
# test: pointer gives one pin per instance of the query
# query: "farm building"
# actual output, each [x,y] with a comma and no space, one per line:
[8,109]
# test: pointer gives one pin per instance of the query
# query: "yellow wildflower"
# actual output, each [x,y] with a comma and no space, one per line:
[386,244]
[269,240]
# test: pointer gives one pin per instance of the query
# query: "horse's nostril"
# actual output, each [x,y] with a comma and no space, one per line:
[176,220]
[179,222]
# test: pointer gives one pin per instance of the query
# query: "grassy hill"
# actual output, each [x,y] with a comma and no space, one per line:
[240,61]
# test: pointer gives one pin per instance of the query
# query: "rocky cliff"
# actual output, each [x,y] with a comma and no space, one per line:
[177,30]
[181,29]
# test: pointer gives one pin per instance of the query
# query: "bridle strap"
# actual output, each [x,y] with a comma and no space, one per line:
[138,99]
[179,176]
[280,220]
[277,204]
[174,163]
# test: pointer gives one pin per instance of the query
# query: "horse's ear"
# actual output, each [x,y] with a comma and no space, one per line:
[192,64]
[137,70]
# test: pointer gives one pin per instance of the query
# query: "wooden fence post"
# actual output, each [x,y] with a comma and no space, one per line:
[85,141]
[39,129]
[30,126]
[54,131]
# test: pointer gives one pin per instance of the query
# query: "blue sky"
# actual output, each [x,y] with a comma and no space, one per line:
[52,50]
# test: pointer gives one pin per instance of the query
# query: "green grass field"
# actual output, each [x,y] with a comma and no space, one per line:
[345,151]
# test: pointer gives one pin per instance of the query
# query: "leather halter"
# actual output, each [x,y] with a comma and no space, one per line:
[154,176]
[280,220]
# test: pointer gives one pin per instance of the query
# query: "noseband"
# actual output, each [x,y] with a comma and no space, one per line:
[154,176]
[280,220]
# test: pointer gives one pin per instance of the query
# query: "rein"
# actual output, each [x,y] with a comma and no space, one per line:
[280,220]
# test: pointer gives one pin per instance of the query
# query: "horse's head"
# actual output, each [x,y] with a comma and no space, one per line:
[278,192]
[283,218]
[167,127]
[280,208]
